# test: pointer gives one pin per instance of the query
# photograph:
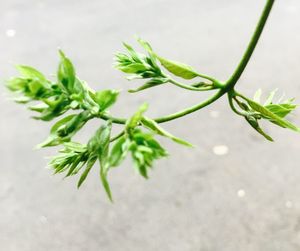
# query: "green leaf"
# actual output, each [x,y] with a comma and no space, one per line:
[88,168]
[53,138]
[119,151]
[61,122]
[151,83]
[253,122]
[56,107]
[144,150]
[145,45]
[17,84]
[76,166]
[102,137]
[105,98]
[270,98]
[22,100]
[38,107]
[133,68]
[103,177]
[136,118]
[66,72]
[31,73]
[270,115]
[281,110]
[98,144]
[75,147]
[156,128]
[257,95]
[152,56]
[178,69]
[74,125]
[35,87]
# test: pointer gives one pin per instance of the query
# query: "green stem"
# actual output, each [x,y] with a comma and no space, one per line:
[171,116]
[252,44]
[188,87]
[232,105]
[229,84]
[117,136]
[206,77]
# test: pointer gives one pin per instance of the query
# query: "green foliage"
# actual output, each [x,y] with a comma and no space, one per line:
[144,150]
[69,95]
[156,128]
[178,69]
[51,99]
[141,66]
[105,98]
[273,112]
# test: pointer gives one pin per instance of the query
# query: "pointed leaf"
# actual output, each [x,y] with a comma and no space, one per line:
[105,98]
[281,110]
[66,72]
[155,127]
[151,83]
[53,139]
[257,95]
[178,69]
[136,118]
[270,98]
[88,168]
[103,176]
[272,116]
[30,72]
[253,122]
[119,151]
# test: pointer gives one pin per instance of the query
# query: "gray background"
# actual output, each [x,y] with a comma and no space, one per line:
[194,200]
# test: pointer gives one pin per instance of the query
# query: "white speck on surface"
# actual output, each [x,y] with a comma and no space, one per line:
[214,114]
[241,193]
[43,219]
[288,204]
[10,33]
[220,150]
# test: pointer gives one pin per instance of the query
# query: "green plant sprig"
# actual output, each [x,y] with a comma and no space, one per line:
[138,138]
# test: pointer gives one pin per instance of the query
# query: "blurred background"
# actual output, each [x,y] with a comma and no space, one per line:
[235,191]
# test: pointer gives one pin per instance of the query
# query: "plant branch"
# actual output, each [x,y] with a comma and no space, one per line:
[252,44]
[189,87]
[171,116]
[229,85]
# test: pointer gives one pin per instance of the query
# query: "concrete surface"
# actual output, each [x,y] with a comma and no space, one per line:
[247,199]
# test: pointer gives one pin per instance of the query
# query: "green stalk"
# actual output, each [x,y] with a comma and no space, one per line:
[230,83]
[171,116]
[188,87]
[252,44]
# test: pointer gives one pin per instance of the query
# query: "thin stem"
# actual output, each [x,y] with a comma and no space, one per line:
[171,116]
[188,87]
[192,109]
[229,85]
[230,98]
[252,44]
[117,136]
[206,77]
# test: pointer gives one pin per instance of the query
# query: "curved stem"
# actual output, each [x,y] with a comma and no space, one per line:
[233,107]
[192,109]
[171,116]
[117,136]
[229,85]
[206,77]
[252,44]
[189,87]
